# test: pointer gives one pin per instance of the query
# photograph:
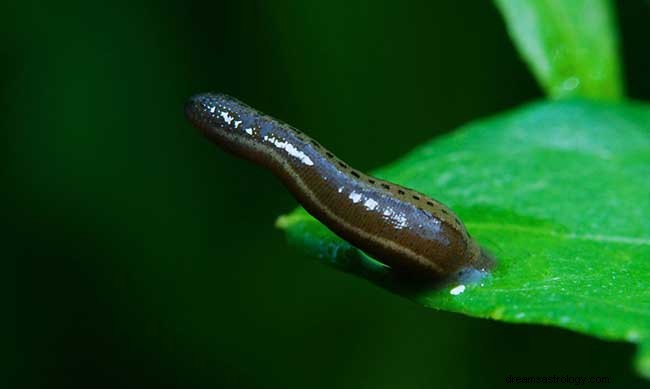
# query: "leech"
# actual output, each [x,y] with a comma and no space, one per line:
[414,235]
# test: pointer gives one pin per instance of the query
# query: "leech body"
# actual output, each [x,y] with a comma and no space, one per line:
[413,234]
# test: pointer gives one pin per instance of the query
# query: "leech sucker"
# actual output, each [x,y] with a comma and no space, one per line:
[413,234]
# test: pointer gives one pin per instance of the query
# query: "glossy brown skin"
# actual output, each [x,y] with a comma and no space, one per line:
[415,235]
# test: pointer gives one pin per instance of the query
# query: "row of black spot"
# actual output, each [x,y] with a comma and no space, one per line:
[370,180]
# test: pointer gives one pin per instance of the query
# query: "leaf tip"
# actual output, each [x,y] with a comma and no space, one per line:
[642,360]
[283,222]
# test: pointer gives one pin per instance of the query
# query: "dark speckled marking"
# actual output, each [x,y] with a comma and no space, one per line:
[413,234]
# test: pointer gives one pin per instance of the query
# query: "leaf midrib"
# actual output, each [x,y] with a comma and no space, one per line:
[620,239]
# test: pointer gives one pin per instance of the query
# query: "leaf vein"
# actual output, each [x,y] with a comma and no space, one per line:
[629,240]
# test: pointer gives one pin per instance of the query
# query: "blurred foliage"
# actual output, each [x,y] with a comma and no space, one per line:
[571,46]
[146,258]
[558,192]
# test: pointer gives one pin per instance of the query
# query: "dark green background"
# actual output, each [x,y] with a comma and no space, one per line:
[143,256]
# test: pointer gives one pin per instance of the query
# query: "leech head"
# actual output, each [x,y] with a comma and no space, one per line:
[214,112]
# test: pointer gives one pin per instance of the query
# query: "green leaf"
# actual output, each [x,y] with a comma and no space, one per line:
[559,192]
[570,46]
